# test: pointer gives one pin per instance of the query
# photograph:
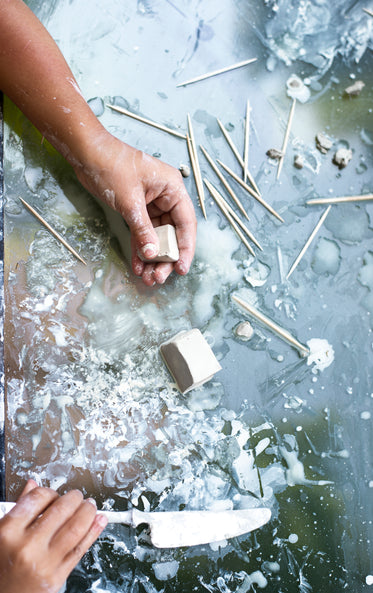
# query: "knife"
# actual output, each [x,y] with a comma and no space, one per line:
[177,529]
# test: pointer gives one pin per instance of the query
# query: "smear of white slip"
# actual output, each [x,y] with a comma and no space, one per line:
[321,353]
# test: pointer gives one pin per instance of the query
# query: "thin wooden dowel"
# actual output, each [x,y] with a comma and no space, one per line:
[216,72]
[238,156]
[195,173]
[146,121]
[246,143]
[225,182]
[239,221]
[215,194]
[308,242]
[52,231]
[286,137]
[251,192]
[277,329]
[340,200]
[197,170]
[370,12]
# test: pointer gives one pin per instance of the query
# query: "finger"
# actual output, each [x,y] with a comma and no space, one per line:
[58,513]
[162,271]
[141,228]
[148,275]
[74,529]
[184,219]
[32,505]
[30,485]
[72,558]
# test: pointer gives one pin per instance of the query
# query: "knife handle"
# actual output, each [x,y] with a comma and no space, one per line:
[5,507]
[124,517]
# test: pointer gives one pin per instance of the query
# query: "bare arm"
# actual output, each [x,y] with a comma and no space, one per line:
[146,191]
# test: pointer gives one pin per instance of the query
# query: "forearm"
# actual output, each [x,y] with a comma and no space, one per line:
[36,77]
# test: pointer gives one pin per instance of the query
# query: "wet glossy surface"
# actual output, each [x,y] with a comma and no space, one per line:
[90,403]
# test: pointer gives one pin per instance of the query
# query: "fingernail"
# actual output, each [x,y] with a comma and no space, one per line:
[101,520]
[92,501]
[149,250]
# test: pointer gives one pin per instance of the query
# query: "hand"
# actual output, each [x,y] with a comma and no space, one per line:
[43,538]
[147,193]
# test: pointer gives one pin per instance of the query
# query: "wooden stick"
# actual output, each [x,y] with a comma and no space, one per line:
[238,220]
[254,194]
[197,171]
[308,242]
[246,144]
[370,12]
[216,72]
[52,231]
[238,156]
[146,121]
[215,194]
[362,198]
[286,138]
[225,183]
[283,333]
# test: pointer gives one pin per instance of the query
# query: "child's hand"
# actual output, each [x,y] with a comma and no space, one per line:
[43,538]
[147,193]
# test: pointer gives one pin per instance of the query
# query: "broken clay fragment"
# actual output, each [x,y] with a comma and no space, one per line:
[244,331]
[355,89]
[168,249]
[273,153]
[323,142]
[298,161]
[342,157]
[189,359]
[184,170]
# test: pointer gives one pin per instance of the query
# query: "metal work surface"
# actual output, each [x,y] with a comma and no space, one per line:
[287,422]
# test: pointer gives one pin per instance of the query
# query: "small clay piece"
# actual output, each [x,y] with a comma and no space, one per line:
[168,249]
[244,331]
[184,170]
[323,143]
[296,89]
[189,359]
[298,161]
[355,89]
[275,154]
[342,157]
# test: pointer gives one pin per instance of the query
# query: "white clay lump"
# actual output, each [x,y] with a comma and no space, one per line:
[189,359]
[168,249]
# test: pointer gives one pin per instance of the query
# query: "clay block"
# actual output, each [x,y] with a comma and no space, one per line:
[168,249]
[189,359]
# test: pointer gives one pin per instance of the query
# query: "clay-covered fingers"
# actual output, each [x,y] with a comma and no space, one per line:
[58,514]
[30,506]
[77,518]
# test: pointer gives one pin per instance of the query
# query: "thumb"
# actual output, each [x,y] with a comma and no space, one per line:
[143,234]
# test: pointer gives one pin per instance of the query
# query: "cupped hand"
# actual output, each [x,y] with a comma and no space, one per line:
[148,193]
[43,538]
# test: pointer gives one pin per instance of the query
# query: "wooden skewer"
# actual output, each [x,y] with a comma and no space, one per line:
[225,183]
[239,222]
[197,170]
[363,198]
[216,72]
[195,173]
[238,156]
[254,194]
[308,242]
[246,144]
[283,333]
[52,231]
[286,138]
[146,121]
[217,197]
[370,12]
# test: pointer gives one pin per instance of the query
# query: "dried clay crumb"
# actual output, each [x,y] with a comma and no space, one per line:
[244,330]
[355,89]
[184,170]
[273,153]
[323,142]
[298,161]
[342,157]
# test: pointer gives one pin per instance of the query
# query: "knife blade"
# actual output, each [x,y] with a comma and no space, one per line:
[175,529]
